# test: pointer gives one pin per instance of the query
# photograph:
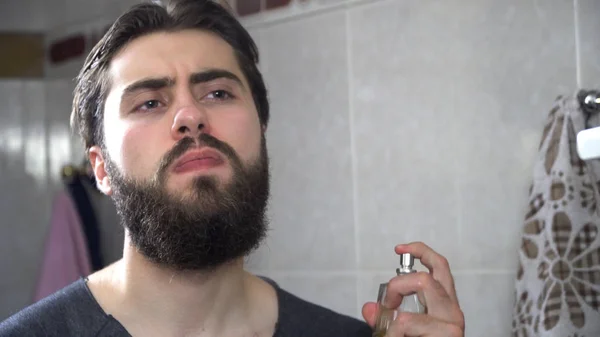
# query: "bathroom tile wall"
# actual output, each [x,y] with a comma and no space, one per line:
[392,121]
[589,43]
[24,206]
[431,113]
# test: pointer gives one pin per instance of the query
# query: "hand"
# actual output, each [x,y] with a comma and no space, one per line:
[434,289]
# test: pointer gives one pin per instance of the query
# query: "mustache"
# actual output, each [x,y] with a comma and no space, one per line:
[187,143]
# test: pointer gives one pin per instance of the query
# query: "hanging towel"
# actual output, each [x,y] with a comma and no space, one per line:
[81,198]
[66,256]
[558,278]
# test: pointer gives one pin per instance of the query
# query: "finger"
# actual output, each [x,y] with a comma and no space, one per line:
[369,312]
[418,325]
[432,294]
[437,264]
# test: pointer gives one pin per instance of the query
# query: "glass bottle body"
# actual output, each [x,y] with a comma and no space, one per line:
[386,315]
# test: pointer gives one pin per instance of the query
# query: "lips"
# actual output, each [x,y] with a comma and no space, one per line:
[197,160]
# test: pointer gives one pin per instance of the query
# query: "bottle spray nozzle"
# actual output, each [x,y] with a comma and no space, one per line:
[407,260]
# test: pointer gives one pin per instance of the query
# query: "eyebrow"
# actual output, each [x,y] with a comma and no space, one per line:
[214,74]
[148,84]
[196,78]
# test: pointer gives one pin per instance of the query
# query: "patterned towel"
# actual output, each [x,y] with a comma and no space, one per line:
[558,280]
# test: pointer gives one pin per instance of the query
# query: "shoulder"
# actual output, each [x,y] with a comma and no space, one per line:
[64,313]
[298,315]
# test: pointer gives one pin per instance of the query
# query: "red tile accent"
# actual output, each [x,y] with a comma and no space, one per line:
[67,48]
[277,3]
[247,7]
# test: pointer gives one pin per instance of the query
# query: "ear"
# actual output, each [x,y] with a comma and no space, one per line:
[99,168]
[264,128]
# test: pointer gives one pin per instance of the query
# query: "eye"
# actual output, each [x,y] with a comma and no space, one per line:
[220,95]
[149,105]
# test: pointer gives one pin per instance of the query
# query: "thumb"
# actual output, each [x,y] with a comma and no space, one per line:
[369,312]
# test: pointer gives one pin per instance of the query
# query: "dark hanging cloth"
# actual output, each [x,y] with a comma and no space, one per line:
[89,221]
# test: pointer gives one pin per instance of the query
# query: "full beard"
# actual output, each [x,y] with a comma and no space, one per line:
[210,226]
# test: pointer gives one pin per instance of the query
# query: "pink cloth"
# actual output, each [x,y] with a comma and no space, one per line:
[66,257]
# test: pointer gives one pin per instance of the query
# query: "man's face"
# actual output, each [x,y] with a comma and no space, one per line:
[143,121]
[184,155]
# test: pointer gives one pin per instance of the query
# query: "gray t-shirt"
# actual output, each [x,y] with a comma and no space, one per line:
[73,311]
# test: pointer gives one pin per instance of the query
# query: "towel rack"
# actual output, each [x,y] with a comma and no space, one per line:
[589,102]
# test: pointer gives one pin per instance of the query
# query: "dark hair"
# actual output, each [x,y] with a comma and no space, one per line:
[92,83]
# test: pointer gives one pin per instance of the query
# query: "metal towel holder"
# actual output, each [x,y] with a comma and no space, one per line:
[589,101]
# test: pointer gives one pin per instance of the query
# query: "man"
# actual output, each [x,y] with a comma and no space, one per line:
[173,112]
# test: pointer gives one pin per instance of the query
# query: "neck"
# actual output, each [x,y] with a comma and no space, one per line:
[154,300]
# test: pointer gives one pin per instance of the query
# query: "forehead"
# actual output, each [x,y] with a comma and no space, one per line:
[169,54]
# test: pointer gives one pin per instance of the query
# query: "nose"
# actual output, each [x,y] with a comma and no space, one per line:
[189,121]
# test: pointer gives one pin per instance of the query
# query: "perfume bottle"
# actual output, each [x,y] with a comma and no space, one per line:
[410,303]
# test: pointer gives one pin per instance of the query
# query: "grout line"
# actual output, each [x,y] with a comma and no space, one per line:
[269,18]
[328,273]
[577,43]
[458,182]
[353,156]
[262,50]
[459,208]
[305,273]
[484,272]
[260,20]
